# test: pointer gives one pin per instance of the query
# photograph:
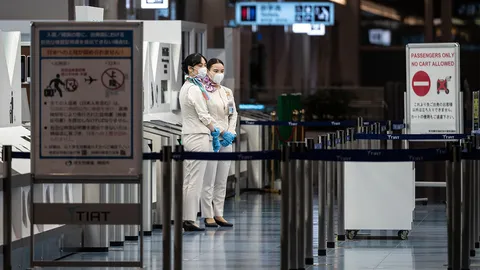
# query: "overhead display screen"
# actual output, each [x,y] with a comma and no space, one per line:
[284,13]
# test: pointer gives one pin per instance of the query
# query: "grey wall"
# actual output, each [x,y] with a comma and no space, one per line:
[34,10]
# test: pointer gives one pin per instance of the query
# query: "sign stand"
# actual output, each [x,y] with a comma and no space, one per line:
[87,123]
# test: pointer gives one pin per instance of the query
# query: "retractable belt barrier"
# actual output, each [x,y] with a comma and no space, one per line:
[301,162]
[396,125]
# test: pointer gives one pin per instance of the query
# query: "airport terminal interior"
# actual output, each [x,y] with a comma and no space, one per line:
[228,134]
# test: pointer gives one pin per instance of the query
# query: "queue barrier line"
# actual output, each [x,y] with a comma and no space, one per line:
[396,125]
[340,155]
[409,137]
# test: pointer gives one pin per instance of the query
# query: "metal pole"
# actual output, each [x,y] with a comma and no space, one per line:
[449,199]
[340,189]
[293,216]
[466,210]
[477,193]
[295,130]
[7,207]
[322,200]
[272,146]
[309,176]
[331,195]
[457,207]
[178,232]
[389,132]
[285,163]
[146,192]
[238,162]
[301,193]
[471,190]
[167,206]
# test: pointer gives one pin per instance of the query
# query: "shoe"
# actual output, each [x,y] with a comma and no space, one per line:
[210,225]
[222,223]
[189,226]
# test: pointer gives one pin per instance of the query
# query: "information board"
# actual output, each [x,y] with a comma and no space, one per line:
[434,104]
[284,13]
[87,99]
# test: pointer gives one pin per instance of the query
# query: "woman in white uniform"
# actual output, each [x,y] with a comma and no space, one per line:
[222,108]
[198,128]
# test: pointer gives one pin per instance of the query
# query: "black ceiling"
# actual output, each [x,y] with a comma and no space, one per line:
[417,7]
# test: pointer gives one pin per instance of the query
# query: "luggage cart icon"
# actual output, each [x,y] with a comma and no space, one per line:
[442,85]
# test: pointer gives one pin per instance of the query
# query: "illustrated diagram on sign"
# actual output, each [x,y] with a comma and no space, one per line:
[421,83]
[322,14]
[442,85]
[90,80]
[113,80]
[49,91]
[71,85]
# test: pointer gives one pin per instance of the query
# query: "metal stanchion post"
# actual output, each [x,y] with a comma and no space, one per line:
[322,199]
[272,146]
[7,206]
[238,148]
[309,176]
[457,208]
[178,216]
[340,190]
[301,194]
[477,194]
[330,195]
[472,195]
[295,130]
[302,128]
[293,216]
[449,198]
[466,241]
[389,132]
[285,216]
[167,206]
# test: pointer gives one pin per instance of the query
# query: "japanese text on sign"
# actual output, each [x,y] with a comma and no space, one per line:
[86,99]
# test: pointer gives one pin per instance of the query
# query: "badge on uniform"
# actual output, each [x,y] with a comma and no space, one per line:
[230,107]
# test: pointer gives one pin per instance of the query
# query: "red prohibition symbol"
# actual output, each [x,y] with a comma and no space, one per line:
[421,83]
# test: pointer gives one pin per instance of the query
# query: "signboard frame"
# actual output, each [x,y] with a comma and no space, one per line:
[457,93]
[256,8]
[104,214]
[135,160]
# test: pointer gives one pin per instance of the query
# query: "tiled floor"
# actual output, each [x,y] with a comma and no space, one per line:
[254,243]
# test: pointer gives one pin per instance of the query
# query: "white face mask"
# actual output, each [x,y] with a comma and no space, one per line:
[202,72]
[218,78]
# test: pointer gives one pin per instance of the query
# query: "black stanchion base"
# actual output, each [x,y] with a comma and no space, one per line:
[322,252]
[477,245]
[341,237]
[472,253]
[117,243]
[465,268]
[330,244]
[309,261]
[131,238]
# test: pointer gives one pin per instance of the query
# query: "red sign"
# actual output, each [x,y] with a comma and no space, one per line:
[421,83]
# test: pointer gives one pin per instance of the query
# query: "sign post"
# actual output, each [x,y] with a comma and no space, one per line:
[87,121]
[434,99]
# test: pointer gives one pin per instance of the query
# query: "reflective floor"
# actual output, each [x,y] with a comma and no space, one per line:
[254,243]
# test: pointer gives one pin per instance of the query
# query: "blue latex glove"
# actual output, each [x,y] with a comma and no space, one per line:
[216,144]
[228,136]
[225,143]
[215,133]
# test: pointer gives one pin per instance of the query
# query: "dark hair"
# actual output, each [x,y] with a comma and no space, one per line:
[191,61]
[213,61]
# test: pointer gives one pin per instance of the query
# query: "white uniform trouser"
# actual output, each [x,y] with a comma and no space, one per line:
[215,186]
[194,173]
